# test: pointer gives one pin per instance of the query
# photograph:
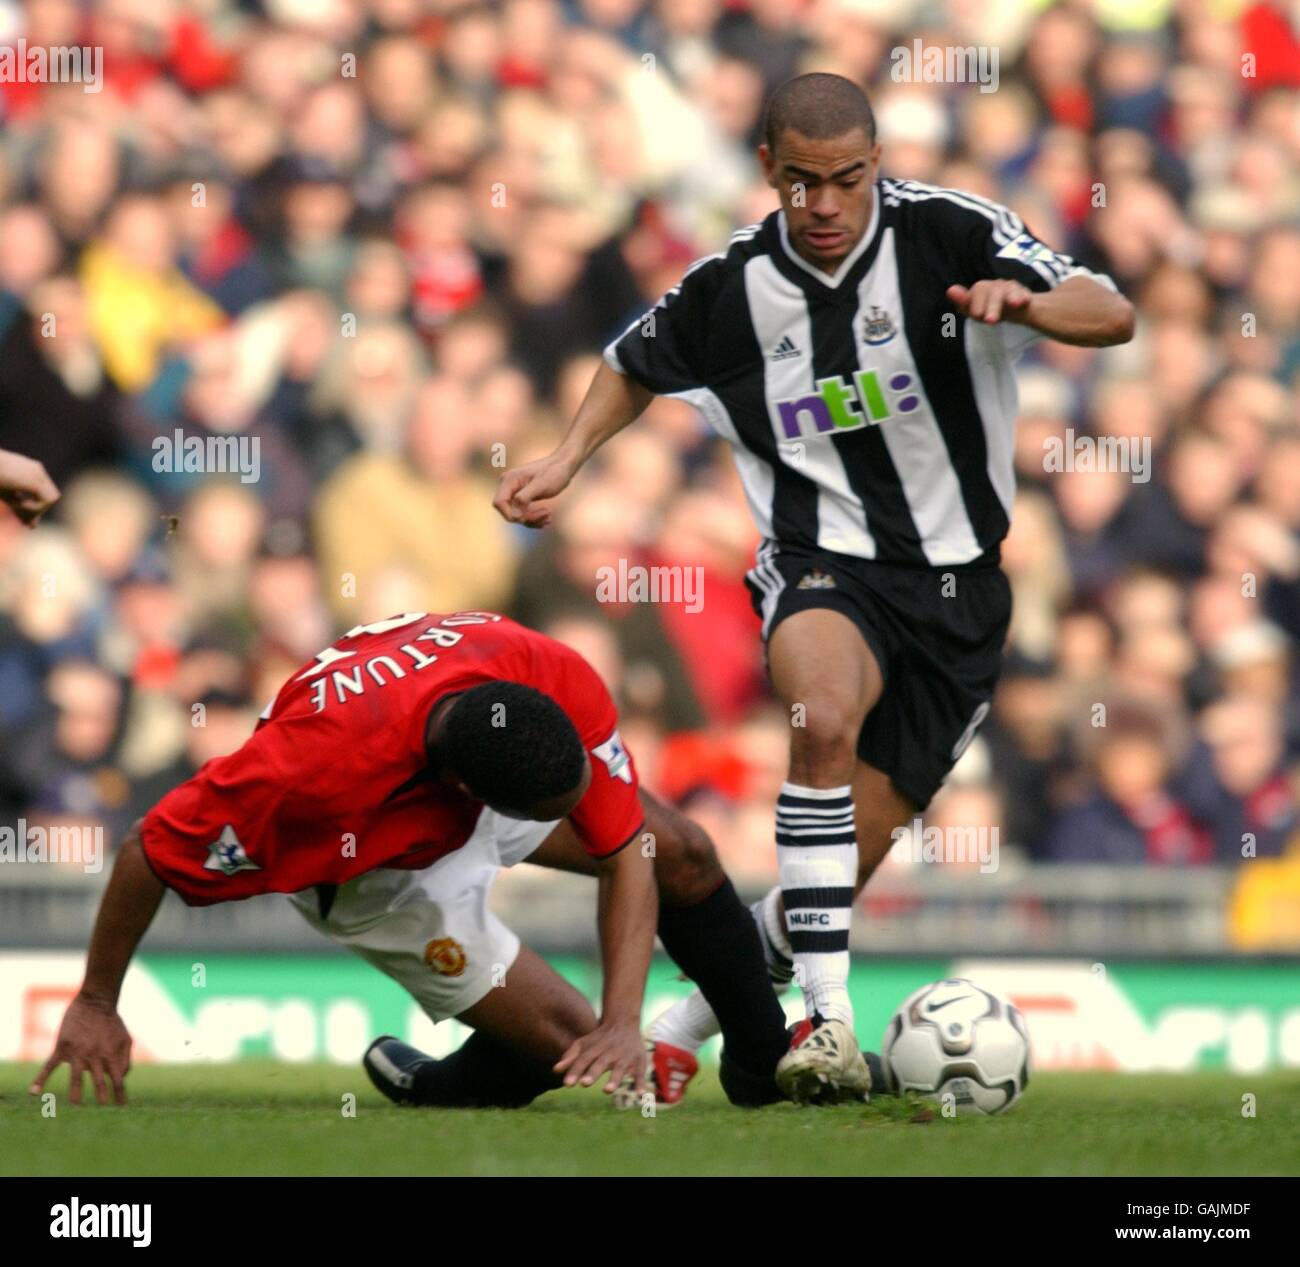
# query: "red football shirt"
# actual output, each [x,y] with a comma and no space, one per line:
[315,794]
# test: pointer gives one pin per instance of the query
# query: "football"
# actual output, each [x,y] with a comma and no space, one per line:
[954,1038]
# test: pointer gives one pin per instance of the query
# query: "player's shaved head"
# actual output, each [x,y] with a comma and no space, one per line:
[515,749]
[821,155]
[819,106]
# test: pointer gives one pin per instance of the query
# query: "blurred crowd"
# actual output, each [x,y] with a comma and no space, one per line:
[386,240]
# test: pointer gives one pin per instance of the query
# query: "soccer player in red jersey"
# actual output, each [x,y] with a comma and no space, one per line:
[382,789]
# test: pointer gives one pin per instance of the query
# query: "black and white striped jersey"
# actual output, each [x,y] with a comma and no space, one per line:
[868,417]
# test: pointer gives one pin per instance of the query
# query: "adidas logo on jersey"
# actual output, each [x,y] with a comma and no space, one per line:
[785,349]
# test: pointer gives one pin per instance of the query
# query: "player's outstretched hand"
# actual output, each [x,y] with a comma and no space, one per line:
[617,1049]
[92,1039]
[26,486]
[525,493]
[992,301]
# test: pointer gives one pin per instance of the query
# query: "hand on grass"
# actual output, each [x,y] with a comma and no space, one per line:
[93,1040]
[616,1048]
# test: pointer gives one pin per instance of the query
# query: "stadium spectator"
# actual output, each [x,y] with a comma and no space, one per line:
[387,242]
[1130,815]
[426,510]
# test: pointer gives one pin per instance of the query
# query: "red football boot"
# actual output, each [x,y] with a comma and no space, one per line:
[671,1070]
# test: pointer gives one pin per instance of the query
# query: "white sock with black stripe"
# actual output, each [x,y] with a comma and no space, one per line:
[817,864]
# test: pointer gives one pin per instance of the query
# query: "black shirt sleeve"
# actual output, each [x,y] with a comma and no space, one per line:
[664,348]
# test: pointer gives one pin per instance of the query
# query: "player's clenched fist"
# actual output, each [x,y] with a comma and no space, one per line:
[616,1048]
[26,486]
[93,1040]
[524,493]
[993,301]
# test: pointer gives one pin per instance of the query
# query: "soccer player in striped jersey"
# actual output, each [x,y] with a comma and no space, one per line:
[856,348]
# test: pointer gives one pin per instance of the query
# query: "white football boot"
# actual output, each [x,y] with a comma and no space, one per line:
[824,1065]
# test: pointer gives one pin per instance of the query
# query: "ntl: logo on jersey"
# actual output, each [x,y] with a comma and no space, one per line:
[841,405]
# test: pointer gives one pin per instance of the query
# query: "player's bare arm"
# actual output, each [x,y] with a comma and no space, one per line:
[627,912]
[1078,311]
[92,1038]
[26,486]
[613,401]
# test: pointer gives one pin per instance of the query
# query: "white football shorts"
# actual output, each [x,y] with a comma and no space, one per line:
[431,930]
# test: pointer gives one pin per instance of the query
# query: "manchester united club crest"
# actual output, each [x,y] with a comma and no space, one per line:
[446,956]
[877,327]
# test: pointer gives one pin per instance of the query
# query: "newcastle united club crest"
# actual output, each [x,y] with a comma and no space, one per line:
[816,580]
[877,327]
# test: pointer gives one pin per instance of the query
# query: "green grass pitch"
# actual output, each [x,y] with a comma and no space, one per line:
[259,1118]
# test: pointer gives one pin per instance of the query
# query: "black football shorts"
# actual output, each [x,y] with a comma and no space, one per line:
[936,633]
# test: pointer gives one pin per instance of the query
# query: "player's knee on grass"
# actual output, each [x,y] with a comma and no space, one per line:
[509,1060]
[535,1012]
[553,1024]
[687,869]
